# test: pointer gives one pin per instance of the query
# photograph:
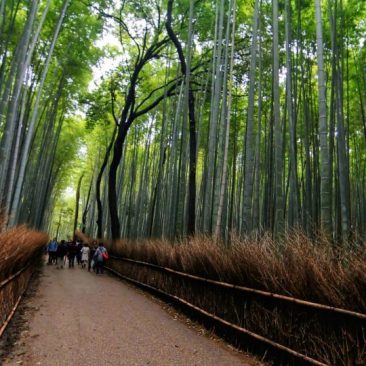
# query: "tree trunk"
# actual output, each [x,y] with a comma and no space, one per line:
[279,213]
[97,186]
[227,115]
[191,112]
[293,201]
[325,182]
[249,137]
[214,108]
[77,206]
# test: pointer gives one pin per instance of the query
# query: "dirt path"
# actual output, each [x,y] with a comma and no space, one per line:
[85,319]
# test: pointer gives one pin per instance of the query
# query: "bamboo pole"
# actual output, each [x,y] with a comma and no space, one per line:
[12,277]
[14,309]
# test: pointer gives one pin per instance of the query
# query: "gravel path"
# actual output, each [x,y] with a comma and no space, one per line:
[85,319]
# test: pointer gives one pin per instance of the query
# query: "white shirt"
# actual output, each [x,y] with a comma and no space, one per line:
[85,253]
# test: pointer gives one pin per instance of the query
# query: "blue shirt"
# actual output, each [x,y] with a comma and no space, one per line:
[98,256]
[52,246]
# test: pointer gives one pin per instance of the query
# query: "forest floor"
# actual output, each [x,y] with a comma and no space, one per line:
[73,317]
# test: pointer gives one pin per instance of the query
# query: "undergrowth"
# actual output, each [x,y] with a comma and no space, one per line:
[311,270]
[296,266]
[17,246]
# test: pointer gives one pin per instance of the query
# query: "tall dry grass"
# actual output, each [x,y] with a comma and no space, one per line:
[313,270]
[297,266]
[17,246]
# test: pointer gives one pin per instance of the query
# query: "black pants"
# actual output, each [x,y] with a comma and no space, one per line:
[99,267]
[52,258]
[71,261]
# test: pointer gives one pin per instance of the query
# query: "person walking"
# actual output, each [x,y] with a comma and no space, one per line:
[84,255]
[71,253]
[100,256]
[79,246]
[51,250]
[91,262]
[60,254]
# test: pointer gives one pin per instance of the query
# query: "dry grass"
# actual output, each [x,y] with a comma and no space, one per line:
[299,267]
[17,246]
[296,266]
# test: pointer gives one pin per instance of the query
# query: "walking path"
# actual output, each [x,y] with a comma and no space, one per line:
[85,319]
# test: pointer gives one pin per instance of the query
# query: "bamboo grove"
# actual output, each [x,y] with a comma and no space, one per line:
[220,117]
[45,61]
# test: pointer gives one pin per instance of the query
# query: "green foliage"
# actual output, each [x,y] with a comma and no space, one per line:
[88,111]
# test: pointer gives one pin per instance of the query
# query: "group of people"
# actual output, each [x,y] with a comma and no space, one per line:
[93,256]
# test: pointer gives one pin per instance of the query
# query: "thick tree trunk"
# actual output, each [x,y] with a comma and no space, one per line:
[98,183]
[112,192]
[192,120]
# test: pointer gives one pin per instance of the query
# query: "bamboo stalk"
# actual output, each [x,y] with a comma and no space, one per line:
[12,277]
[8,319]
[14,309]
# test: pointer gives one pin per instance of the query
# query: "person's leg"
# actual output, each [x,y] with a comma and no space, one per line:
[102,267]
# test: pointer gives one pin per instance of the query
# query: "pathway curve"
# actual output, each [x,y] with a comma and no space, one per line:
[85,319]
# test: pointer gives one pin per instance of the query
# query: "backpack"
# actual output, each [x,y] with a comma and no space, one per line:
[105,255]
